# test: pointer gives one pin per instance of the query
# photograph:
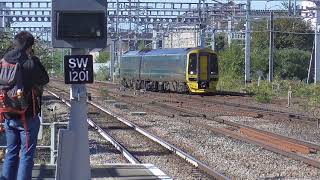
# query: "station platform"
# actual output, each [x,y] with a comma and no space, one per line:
[107,172]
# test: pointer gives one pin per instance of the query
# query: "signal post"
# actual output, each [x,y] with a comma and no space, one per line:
[79,25]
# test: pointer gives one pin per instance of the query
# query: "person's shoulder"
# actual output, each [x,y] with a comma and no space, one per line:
[35,58]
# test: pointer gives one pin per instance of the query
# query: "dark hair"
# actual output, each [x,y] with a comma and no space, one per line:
[25,39]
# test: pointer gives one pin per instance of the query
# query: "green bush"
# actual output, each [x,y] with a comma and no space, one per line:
[102,74]
[262,93]
[103,57]
[229,83]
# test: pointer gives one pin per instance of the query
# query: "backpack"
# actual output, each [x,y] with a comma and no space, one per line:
[13,100]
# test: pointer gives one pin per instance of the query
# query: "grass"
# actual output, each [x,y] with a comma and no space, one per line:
[266,92]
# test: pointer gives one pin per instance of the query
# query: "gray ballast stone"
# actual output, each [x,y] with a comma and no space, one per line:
[120,105]
[110,101]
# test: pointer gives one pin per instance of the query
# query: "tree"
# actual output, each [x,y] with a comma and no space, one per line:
[292,63]
[42,50]
[293,43]
[231,61]
[103,57]
[5,43]
[289,33]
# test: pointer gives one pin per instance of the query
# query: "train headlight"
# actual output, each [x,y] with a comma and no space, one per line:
[191,72]
[211,73]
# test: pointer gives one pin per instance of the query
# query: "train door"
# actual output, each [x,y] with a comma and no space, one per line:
[192,68]
[203,67]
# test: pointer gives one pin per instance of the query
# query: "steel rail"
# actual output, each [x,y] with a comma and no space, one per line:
[217,119]
[238,125]
[197,163]
[267,146]
[104,134]
[238,105]
[297,141]
[114,142]
[172,148]
[250,140]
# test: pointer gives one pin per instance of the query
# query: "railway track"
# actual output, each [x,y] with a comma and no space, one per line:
[237,108]
[286,146]
[165,148]
[283,145]
[276,143]
[241,109]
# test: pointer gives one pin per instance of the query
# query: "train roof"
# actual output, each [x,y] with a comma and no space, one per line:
[154,52]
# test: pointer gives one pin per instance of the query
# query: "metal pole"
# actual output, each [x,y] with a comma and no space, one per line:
[113,57]
[202,36]
[117,19]
[130,25]
[73,153]
[52,61]
[53,144]
[202,27]
[213,40]
[154,39]
[163,40]
[271,48]
[317,48]
[247,44]
[119,55]
[289,7]
[295,8]
[62,59]
[195,36]
[3,21]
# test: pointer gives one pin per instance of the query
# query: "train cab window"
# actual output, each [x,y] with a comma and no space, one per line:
[214,70]
[193,64]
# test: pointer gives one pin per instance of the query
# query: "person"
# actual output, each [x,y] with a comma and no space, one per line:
[21,139]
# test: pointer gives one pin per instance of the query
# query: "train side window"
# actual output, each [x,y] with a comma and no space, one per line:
[214,68]
[192,63]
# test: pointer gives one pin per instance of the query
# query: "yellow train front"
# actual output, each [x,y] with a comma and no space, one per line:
[181,70]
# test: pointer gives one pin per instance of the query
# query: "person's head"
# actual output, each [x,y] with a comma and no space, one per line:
[24,41]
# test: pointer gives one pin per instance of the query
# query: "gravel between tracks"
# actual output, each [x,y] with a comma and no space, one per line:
[148,151]
[101,151]
[235,158]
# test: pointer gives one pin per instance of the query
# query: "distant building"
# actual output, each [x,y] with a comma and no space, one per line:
[309,15]
[181,39]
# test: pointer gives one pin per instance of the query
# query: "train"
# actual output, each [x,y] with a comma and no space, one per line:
[183,70]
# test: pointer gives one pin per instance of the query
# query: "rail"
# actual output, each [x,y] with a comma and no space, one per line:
[104,134]
[190,159]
